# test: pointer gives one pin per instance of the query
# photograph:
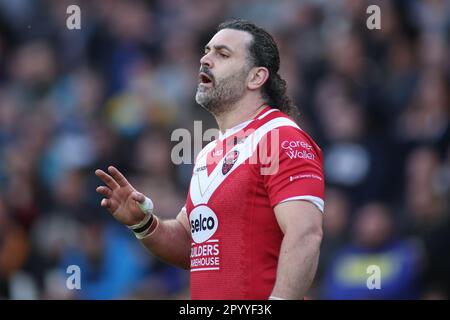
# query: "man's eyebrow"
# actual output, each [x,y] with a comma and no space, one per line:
[219,47]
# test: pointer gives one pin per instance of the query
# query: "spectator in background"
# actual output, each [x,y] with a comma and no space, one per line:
[374,243]
[112,265]
[428,216]
[335,229]
[427,117]
[335,224]
[353,160]
[14,250]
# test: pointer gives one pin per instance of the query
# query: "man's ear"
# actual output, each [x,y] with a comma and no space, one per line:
[257,77]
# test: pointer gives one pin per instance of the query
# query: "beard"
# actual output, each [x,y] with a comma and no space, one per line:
[223,94]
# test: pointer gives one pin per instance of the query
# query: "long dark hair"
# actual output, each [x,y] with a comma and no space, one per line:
[263,51]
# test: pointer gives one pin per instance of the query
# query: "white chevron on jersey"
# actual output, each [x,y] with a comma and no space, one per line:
[203,185]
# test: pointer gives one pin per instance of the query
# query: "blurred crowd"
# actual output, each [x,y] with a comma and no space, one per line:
[71,101]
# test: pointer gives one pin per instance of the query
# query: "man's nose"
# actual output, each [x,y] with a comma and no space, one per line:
[206,61]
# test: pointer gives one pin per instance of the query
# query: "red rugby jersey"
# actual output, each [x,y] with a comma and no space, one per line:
[237,181]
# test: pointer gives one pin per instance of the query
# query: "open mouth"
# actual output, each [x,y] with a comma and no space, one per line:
[204,79]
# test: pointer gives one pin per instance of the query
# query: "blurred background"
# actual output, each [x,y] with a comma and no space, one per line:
[71,101]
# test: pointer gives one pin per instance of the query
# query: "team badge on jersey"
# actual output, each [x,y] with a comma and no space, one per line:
[229,161]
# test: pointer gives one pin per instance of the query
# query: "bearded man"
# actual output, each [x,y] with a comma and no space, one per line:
[251,227]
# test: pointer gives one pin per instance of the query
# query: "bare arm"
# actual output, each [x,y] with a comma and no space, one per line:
[170,240]
[301,223]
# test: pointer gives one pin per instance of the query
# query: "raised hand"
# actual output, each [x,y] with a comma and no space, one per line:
[121,199]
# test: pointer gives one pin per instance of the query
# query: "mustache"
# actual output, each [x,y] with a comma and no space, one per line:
[206,71]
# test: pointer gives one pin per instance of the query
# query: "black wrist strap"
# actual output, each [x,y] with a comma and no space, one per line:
[145,226]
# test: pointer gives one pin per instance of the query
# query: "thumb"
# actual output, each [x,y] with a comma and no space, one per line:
[137,196]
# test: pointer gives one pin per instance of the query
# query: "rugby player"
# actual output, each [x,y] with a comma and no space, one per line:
[251,227]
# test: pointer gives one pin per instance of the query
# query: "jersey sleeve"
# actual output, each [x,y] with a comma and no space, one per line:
[296,167]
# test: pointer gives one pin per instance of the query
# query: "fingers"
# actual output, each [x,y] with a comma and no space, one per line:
[107,179]
[106,203]
[109,204]
[120,179]
[105,191]
[137,196]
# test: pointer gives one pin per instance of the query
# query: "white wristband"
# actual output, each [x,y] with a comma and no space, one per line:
[140,224]
[146,233]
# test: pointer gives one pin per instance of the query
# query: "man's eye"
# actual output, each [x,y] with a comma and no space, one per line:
[223,55]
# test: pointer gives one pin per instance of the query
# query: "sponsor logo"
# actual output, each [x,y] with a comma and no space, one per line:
[291,145]
[200,168]
[205,252]
[291,150]
[205,257]
[295,154]
[305,176]
[229,161]
[204,223]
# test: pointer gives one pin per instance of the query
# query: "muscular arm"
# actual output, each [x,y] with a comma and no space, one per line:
[171,241]
[301,223]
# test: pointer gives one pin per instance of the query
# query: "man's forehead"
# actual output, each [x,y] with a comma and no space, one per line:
[236,40]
